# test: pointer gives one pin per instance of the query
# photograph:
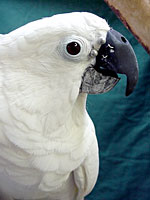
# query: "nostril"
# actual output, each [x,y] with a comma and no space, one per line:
[123,39]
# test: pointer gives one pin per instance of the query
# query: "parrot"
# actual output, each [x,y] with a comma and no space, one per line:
[48,144]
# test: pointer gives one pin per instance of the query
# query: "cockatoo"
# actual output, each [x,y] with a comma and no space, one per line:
[48,146]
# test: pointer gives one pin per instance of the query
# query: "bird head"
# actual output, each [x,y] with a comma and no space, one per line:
[68,54]
[86,50]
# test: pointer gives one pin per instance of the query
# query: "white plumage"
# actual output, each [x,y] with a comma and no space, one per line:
[48,147]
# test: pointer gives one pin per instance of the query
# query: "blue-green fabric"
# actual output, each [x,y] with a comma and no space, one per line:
[122,123]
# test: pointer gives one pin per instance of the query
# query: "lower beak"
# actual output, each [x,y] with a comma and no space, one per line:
[117,56]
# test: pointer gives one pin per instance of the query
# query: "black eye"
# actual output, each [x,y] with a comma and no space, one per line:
[73,48]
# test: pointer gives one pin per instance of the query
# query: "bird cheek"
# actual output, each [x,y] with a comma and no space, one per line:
[74,92]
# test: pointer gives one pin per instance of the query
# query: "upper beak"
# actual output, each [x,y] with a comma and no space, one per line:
[117,56]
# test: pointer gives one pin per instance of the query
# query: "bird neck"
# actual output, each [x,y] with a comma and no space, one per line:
[62,124]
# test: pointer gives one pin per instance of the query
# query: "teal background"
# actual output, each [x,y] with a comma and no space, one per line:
[122,123]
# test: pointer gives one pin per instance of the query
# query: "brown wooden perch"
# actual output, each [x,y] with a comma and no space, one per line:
[135,15]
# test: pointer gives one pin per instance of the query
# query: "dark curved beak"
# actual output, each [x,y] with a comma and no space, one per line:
[117,56]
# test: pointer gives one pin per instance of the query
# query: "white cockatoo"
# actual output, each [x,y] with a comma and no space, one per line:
[48,146]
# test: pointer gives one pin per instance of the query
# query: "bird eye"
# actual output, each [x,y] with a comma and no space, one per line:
[73,48]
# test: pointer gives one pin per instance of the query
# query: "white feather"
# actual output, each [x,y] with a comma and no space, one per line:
[48,147]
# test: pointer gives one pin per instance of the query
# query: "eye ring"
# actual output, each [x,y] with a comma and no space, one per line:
[73,48]
[67,45]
